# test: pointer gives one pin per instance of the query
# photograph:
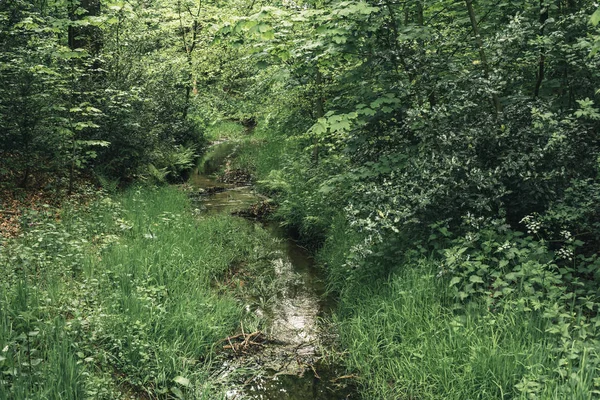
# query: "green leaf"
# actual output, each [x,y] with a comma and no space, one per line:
[177,392]
[268,35]
[475,279]
[182,381]
[101,143]
[595,19]
[454,281]
[262,64]
[343,125]
[319,127]
[367,111]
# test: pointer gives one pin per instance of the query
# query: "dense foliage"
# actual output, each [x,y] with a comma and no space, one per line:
[121,297]
[451,140]
[92,88]
[458,139]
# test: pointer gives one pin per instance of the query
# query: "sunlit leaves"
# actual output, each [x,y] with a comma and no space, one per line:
[595,18]
[587,110]
[348,8]
[182,381]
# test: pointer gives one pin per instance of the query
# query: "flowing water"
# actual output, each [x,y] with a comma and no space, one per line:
[288,367]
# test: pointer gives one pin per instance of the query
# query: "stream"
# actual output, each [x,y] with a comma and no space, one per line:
[288,367]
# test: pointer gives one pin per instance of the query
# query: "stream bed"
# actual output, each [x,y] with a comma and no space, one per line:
[288,366]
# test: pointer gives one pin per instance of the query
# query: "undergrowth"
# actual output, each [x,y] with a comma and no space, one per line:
[122,297]
[223,129]
[482,312]
[483,318]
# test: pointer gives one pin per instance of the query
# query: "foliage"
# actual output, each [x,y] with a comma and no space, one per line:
[121,293]
[72,106]
[406,138]
[431,133]
[404,337]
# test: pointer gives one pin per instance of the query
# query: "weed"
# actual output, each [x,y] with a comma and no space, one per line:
[120,297]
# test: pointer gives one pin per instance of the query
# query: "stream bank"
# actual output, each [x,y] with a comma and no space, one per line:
[285,358]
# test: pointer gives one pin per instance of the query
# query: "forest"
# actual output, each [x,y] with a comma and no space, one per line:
[412,186]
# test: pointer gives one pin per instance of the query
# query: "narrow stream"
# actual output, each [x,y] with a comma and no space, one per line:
[288,368]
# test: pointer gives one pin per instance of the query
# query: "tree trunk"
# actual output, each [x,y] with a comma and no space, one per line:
[25,178]
[86,37]
[420,20]
[189,48]
[542,60]
[486,68]
[396,49]
[72,166]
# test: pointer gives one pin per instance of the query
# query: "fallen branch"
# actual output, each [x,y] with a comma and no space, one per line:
[230,346]
[242,342]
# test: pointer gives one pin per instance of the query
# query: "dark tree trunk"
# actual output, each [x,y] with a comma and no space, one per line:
[486,68]
[86,37]
[542,60]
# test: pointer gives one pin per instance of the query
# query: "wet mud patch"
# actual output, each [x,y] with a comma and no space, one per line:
[236,177]
[259,211]
[276,373]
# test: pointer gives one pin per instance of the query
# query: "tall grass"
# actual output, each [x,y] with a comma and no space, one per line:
[407,337]
[406,342]
[139,309]
[259,157]
[223,129]
[215,157]
[258,153]
[401,329]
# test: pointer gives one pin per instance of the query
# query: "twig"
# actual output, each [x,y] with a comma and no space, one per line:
[339,378]
[232,348]
[315,371]
[247,341]
[8,212]
[250,380]
[231,338]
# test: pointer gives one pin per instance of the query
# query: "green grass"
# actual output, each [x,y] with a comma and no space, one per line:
[402,329]
[223,129]
[256,153]
[407,337]
[405,341]
[215,157]
[134,305]
[259,157]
